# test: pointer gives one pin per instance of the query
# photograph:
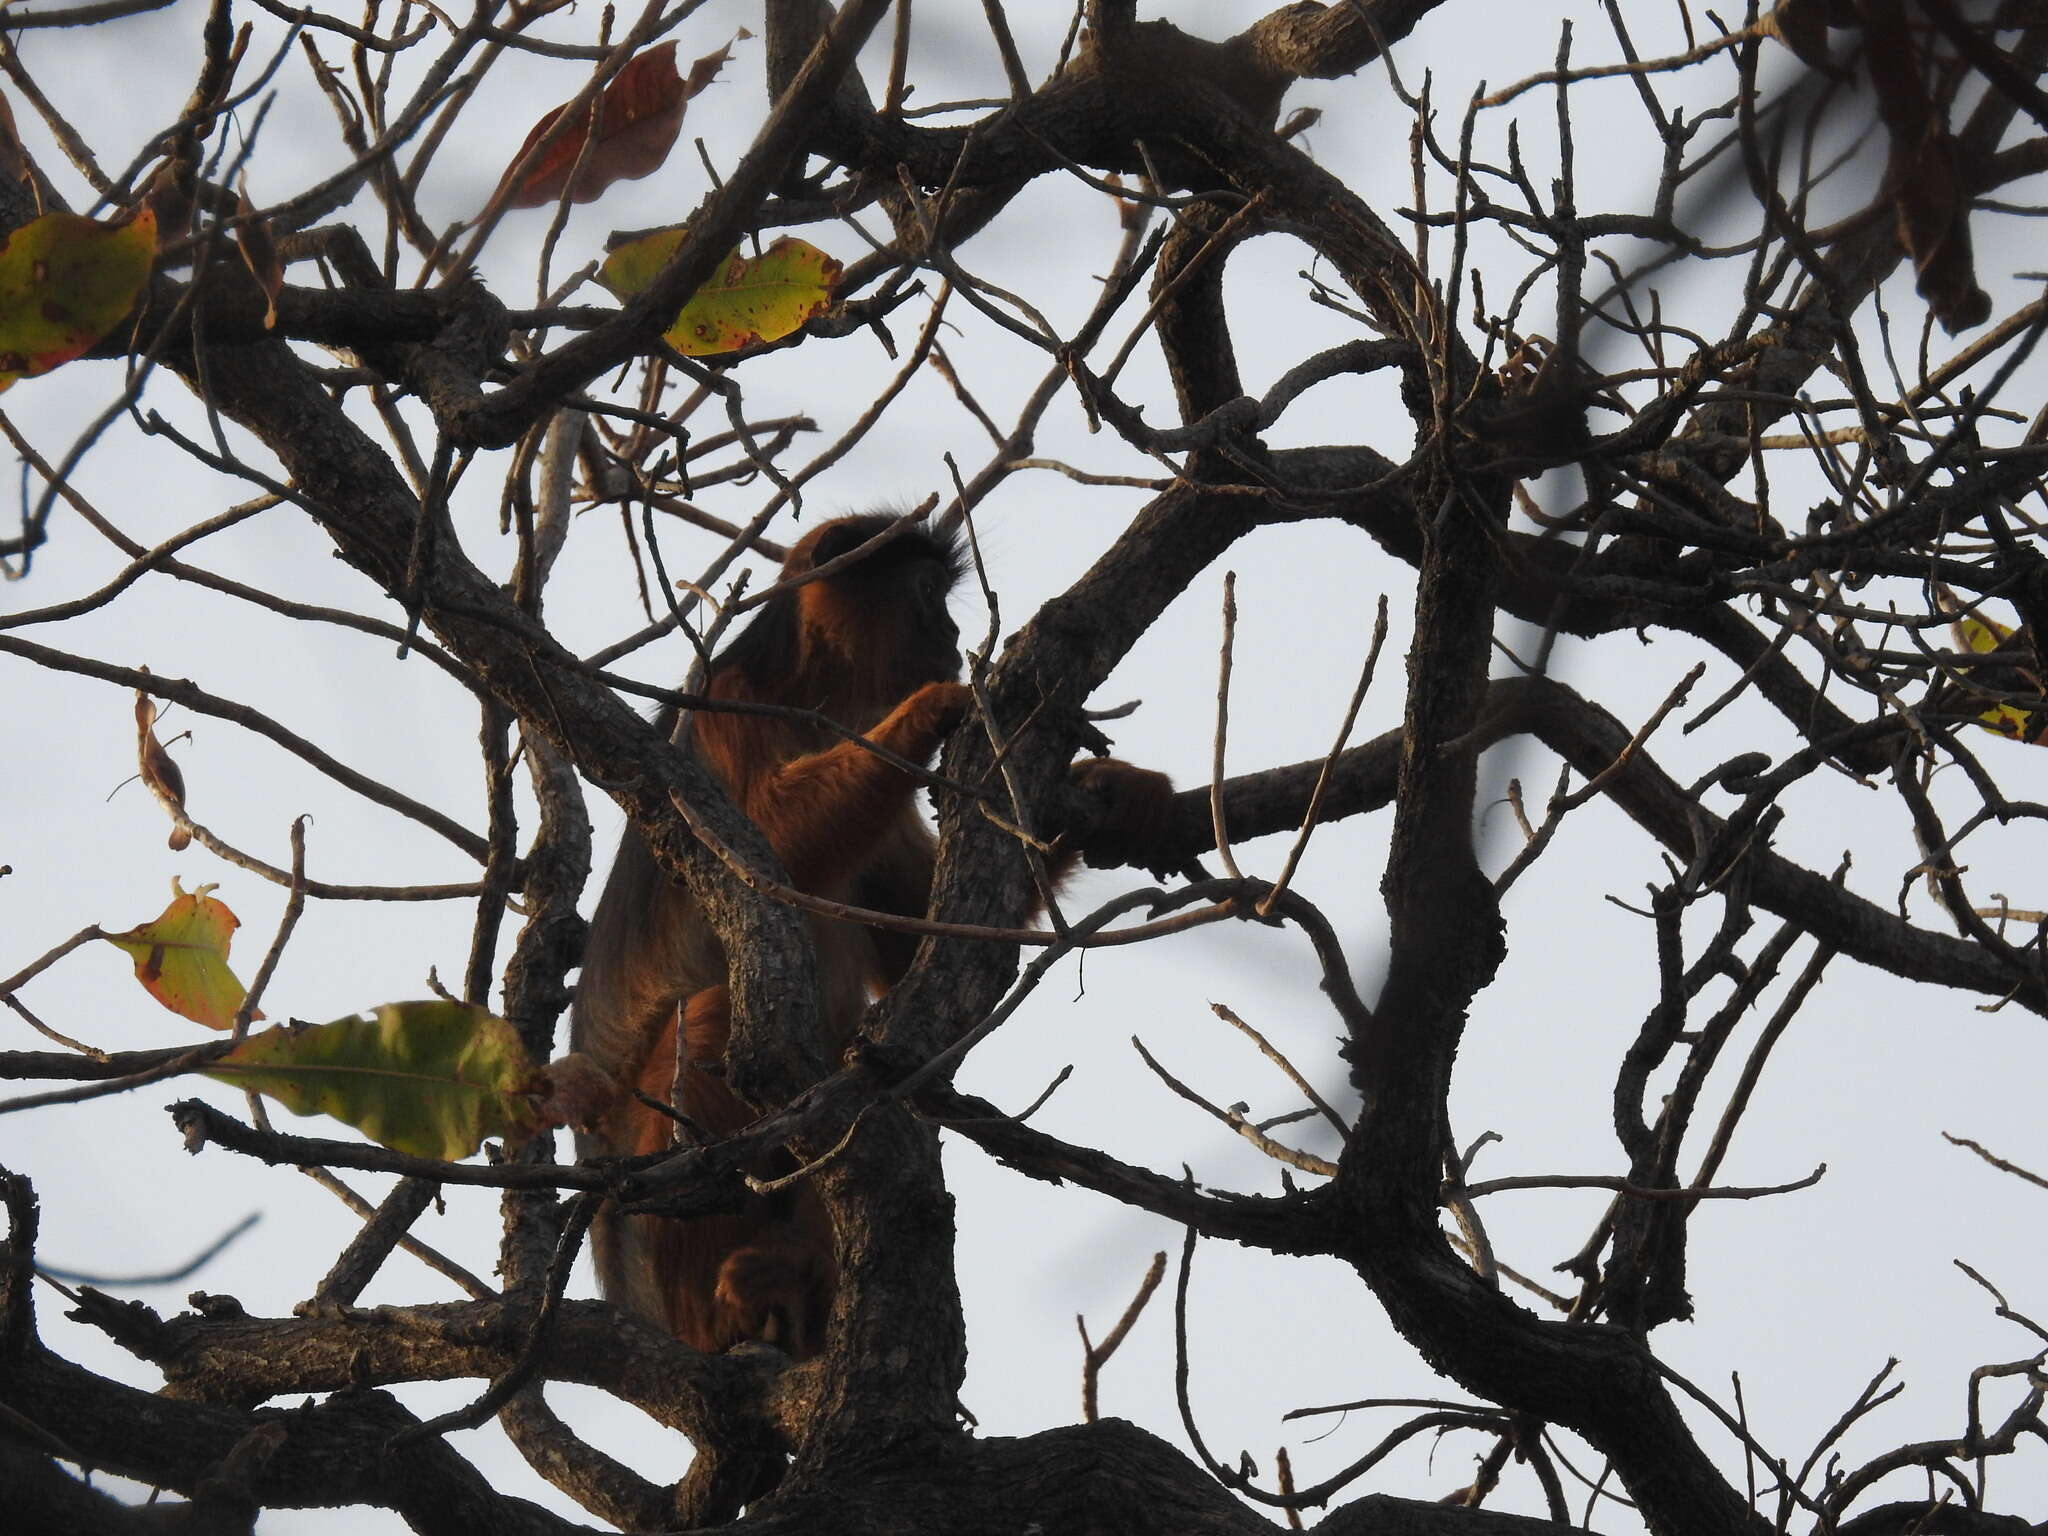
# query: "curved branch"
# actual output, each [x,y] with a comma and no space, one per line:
[1591,740]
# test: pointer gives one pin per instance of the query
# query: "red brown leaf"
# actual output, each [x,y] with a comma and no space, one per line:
[637,119]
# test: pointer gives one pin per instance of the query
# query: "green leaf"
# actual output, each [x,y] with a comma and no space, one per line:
[432,1079]
[747,300]
[65,281]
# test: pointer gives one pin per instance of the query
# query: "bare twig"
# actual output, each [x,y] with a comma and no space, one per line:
[1095,1356]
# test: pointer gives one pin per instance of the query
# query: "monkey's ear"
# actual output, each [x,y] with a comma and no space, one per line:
[838,538]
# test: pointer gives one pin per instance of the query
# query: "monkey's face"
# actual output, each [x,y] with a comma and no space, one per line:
[888,623]
[886,616]
[932,638]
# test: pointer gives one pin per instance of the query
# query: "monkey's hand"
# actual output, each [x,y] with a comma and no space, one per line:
[576,1091]
[915,727]
[1123,815]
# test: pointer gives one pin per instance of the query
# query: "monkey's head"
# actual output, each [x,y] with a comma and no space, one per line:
[864,636]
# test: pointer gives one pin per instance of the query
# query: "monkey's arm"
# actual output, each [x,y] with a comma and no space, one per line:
[826,813]
[649,948]
[1128,812]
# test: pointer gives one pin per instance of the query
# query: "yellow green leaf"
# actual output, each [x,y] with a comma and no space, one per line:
[748,300]
[432,1079]
[1984,636]
[182,957]
[65,281]
[2008,720]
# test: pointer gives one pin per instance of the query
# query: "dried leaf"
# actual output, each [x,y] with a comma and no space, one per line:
[1802,26]
[163,776]
[433,1079]
[1934,227]
[259,253]
[14,161]
[65,281]
[1923,178]
[638,116]
[182,957]
[747,300]
[705,70]
[168,195]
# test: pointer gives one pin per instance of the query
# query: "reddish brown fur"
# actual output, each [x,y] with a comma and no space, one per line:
[873,649]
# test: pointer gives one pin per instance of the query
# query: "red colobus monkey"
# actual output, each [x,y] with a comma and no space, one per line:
[873,648]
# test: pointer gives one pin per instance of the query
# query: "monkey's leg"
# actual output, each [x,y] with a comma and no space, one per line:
[660,1267]
[763,1273]
[1132,819]
[779,1293]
